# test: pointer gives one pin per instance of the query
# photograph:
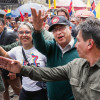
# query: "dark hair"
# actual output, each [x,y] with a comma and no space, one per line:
[91,30]
[2,20]
[63,10]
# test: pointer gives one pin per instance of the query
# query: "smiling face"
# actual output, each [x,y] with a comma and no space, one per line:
[62,35]
[25,36]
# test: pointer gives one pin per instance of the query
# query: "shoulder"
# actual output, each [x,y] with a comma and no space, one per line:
[17,48]
[79,61]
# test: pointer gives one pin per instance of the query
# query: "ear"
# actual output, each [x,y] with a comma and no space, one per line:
[70,27]
[90,43]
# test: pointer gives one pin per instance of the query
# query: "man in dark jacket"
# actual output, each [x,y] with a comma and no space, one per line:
[8,36]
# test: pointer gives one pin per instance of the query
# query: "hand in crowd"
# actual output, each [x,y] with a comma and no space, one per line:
[12,76]
[10,65]
[38,19]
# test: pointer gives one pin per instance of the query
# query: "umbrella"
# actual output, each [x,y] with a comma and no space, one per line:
[2,12]
[25,8]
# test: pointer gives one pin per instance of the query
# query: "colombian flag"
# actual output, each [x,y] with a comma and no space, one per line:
[70,8]
[93,8]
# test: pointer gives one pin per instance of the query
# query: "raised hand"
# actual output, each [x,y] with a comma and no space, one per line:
[10,65]
[38,19]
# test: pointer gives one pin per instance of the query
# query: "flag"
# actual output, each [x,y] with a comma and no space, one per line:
[54,4]
[97,9]
[93,8]
[89,5]
[49,4]
[8,12]
[93,5]
[70,8]
[73,11]
[21,15]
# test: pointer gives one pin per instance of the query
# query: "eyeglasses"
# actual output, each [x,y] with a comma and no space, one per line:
[26,32]
[61,28]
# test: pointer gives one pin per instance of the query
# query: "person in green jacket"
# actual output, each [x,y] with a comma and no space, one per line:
[83,73]
[58,51]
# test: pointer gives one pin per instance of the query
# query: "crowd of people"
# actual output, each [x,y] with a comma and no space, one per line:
[60,50]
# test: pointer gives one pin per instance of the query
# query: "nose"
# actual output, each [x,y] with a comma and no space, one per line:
[24,34]
[58,32]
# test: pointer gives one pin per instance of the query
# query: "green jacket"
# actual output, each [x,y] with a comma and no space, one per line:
[56,90]
[84,80]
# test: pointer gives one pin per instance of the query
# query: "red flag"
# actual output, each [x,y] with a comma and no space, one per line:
[22,17]
[93,5]
[70,8]
[6,11]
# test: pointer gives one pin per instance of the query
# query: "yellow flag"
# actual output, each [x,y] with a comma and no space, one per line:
[9,10]
[73,11]
[49,3]
[88,4]
[97,9]
[54,4]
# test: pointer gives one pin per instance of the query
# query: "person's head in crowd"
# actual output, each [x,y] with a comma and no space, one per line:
[1,15]
[85,14]
[13,23]
[8,18]
[74,20]
[26,19]
[61,29]
[17,19]
[17,25]
[63,12]
[25,30]
[88,37]
[2,25]
[31,20]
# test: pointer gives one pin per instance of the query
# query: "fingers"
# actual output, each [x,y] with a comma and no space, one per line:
[2,66]
[45,17]
[12,76]
[4,61]
[34,13]
[39,15]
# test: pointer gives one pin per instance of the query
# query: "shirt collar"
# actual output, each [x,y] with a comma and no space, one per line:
[97,63]
[67,47]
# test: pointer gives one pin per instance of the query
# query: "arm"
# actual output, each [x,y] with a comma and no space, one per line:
[3,53]
[10,46]
[36,73]
[38,38]
[44,73]
[41,44]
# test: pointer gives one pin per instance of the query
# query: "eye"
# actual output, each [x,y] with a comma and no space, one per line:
[21,32]
[27,32]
